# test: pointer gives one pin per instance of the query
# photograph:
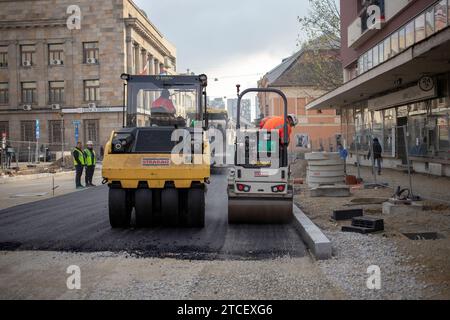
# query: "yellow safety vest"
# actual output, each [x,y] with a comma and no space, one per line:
[90,157]
[80,157]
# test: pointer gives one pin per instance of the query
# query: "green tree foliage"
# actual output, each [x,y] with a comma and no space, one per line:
[322,27]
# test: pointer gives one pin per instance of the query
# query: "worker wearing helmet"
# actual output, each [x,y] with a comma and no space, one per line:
[91,161]
[163,104]
[274,123]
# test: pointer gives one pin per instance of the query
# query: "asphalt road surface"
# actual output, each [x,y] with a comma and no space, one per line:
[78,222]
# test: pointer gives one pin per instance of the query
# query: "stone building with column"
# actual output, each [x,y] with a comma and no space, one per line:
[60,67]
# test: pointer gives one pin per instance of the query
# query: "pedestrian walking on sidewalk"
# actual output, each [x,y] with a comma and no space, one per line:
[377,151]
[91,161]
[79,162]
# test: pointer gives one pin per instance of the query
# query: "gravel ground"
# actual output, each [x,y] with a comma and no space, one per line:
[42,275]
[354,253]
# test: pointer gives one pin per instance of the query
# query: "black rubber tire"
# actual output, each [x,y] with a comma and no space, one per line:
[170,209]
[195,211]
[143,205]
[120,207]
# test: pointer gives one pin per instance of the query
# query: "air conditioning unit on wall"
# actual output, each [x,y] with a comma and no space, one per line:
[57,62]
[56,106]
[27,107]
[92,105]
[92,61]
[26,64]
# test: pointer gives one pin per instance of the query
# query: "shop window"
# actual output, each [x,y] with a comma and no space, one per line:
[377,125]
[429,22]
[419,23]
[418,142]
[444,134]
[389,119]
[409,34]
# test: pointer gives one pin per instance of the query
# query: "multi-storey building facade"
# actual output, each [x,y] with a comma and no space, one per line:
[396,58]
[60,67]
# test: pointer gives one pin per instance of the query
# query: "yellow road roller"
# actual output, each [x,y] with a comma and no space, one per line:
[140,166]
[260,189]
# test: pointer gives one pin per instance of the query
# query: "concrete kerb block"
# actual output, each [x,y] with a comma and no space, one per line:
[317,242]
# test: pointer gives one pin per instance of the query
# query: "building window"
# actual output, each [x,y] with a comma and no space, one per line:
[91,90]
[429,22]
[55,54]
[387,49]
[402,39]
[90,52]
[394,44]
[410,34]
[3,57]
[27,53]
[376,56]
[420,27]
[28,131]
[369,60]
[440,15]
[365,58]
[56,91]
[4,128]
[55,132]
[360,67]
[29,92]
[381,52]
[91,131]
[4,93]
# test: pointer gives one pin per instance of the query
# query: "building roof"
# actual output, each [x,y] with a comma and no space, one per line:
[297,71]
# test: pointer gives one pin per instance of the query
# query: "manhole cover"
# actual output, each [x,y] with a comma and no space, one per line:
[423,235]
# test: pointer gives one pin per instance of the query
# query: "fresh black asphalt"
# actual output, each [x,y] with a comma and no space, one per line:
[78,222]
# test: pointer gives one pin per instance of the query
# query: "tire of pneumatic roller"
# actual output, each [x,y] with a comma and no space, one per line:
[195,214]
[170,214]
[143,204]
[120,208]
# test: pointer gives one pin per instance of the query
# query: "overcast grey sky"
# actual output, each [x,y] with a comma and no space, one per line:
[235,41]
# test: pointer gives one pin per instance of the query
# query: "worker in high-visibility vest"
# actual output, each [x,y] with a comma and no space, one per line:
[91,161]
[79,162]
[274,123]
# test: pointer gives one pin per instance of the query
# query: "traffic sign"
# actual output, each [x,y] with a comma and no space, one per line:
[38,130]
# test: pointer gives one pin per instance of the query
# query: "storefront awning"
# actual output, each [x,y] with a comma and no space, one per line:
[427,58]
